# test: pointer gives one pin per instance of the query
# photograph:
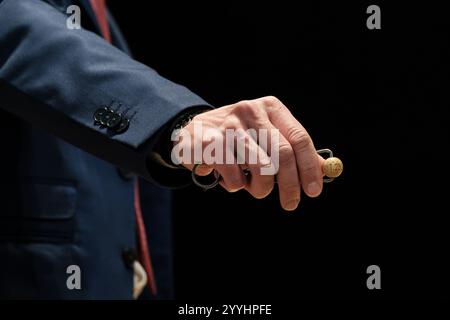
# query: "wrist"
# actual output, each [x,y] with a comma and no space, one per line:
[178,124]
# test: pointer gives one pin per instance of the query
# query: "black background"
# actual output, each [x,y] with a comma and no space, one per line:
[377,98]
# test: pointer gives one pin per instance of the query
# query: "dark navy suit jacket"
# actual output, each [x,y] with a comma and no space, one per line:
[66,195]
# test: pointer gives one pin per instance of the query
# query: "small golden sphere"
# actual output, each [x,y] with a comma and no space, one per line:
[333,167]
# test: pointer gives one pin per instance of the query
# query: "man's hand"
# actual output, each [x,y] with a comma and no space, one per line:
[298,163]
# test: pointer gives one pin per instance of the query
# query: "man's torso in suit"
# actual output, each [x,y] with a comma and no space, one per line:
[60,205]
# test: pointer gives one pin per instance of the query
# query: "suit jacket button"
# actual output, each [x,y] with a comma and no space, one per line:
[122,126]
[113,120]
[129,255]
[99,113]
[106,117]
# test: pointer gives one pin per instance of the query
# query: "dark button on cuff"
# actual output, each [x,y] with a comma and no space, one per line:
[114,120]
[98,114]
[108,118]
[129,255]
[107,115]
[123,125]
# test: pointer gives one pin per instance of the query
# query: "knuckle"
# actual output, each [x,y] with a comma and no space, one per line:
[286,154]
[309,167]
[291,190]
[299,139]
[270,101]
[244,105]
[232,122]
[248,109]
[289,184]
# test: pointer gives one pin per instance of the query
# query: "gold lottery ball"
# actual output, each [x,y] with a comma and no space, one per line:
[333,167]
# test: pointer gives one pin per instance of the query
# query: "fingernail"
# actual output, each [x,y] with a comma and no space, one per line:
[292,205]
[313,189]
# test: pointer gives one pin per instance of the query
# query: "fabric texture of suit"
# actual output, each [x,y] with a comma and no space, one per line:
[66,197]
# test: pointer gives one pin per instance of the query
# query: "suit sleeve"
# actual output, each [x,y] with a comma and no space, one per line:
[57,78]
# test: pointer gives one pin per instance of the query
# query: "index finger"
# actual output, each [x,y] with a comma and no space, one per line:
[308,161]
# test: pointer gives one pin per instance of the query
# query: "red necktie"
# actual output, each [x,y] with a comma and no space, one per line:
[99,7]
